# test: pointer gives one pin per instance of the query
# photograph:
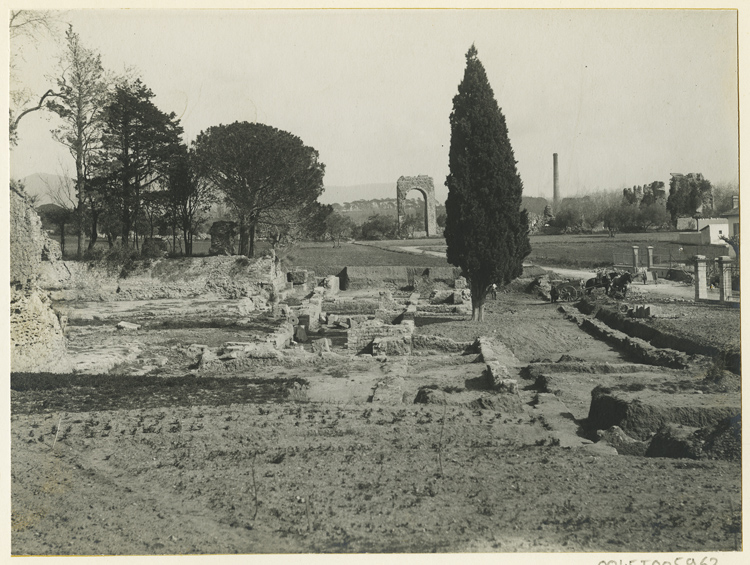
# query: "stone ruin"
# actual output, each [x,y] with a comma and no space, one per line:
[423,184]
[223,238]
[37,340]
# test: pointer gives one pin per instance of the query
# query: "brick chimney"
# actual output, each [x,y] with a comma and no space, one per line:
[735,201]
[555,184]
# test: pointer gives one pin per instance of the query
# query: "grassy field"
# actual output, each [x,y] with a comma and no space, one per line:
[592,250]
[585,251]
[324,259]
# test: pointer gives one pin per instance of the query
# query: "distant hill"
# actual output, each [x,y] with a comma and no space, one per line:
[50,189]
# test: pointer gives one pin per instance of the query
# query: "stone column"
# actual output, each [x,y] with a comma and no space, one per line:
[635,259]
[650,250]
[701,292]
[725,278]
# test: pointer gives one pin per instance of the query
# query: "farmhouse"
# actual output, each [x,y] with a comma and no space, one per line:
[709,231]
[733,217]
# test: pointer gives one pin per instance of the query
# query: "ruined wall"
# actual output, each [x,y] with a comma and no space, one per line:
[230,277]
[423,184]
[37,340]
[366,277]
[29,244]
[360,337]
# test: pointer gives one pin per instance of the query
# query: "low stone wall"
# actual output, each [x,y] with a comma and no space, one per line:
[640,417]
[361,336]
[655,337]
[229,277]
[353,278]
[502,365]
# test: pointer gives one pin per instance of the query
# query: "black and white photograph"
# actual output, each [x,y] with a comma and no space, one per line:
[375,281]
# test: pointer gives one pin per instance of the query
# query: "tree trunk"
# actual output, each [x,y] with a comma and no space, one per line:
[478,296]
[251,241]
[243,236]
[62,240]
[188,243]
[79,251]
[80,196]
[94,228]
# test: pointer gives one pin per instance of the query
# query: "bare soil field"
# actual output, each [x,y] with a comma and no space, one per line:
[165,441]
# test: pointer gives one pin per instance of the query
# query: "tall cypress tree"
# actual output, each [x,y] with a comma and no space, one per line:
[486,231]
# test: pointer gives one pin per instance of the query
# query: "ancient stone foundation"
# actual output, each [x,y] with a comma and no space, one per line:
[360,338]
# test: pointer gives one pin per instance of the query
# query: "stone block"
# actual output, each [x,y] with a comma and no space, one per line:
[441,296]
[262,351]
[128,326]
[460,283]
[391,346]
[195,349]
[331,284]
[651,311]
[207,357]
[297,277]
[386,300]
[245,306]
[321,345]
[300,335]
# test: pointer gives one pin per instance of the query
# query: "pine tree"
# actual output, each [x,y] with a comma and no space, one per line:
[486,231]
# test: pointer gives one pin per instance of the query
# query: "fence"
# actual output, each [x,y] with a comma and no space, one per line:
[675,255]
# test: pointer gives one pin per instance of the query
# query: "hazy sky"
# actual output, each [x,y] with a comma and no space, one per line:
[624,97]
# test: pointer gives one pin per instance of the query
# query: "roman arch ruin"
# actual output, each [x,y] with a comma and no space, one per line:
[423,184]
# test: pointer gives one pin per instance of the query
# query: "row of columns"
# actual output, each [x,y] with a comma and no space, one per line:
[650,258]
[725,278]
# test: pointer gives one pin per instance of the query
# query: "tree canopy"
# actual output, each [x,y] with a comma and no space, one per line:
[261,171]
[80,103]
[139,143]
[689,195]
[486,231]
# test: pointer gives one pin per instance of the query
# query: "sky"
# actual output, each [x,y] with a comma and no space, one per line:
[624,97]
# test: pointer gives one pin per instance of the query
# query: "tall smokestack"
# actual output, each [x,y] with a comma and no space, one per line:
[556,184]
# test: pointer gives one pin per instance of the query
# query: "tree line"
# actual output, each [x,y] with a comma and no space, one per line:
[641,208]
[136,177]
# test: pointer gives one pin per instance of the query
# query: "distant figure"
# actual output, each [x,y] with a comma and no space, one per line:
[554,294]
[493,291]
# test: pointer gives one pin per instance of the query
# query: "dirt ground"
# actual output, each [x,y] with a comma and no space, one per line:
[148,452]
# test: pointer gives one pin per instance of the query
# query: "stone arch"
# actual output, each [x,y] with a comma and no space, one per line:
[423,184]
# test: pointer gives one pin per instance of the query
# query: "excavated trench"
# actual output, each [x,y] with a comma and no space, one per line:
[634,386]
